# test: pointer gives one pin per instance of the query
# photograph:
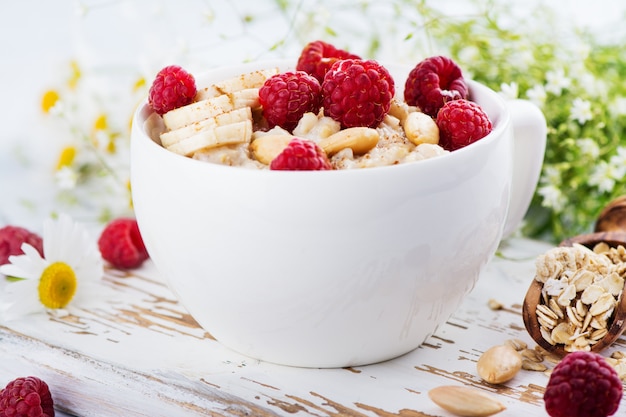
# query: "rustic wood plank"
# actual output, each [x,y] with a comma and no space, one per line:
[144,355]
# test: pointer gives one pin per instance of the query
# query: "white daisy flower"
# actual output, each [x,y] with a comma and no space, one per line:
[70,271]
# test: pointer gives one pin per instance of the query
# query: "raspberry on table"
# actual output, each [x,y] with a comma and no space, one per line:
[11,239]
[357,93]
[121,244]
[301,155]
[172,87]
[583,384]
[317,57]
[461,122]
[433,82]
[26,397]
[287,96]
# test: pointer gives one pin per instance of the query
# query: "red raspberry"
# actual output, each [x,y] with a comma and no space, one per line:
[11,239]
[461,122]
[317,57]
[433,82]
[301,155]
[26,397]
[286,97]
[172,87]
[121,244]
[357,93]
[583,384]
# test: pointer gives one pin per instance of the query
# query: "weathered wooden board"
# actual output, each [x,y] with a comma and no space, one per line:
[143,355]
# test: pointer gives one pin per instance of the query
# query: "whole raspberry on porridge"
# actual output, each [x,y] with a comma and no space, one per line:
[286,97]
[461,122]
[433,82]
[317,57]
[357,93]
[301,155]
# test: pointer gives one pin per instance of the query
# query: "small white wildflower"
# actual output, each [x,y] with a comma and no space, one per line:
[509,91]
[592,85]
[581,110]
[618,163]
[552,197]
[603,177]
[556,82]
[66,178]
[551,175]
[620,156]
[619,107]
[209,15]
[101,140]
[537,95]
[58,109]
[588,147]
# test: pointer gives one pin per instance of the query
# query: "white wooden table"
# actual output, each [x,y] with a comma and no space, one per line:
[143,355]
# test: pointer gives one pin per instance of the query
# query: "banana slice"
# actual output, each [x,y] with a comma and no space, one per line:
[245,98]
[197,111]
[229,134]
[233,116]
[253,79]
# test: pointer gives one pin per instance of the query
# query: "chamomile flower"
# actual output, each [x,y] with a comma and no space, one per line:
[70,271]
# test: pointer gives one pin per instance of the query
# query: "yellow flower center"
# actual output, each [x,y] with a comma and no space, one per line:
[48,100]
[139,84]
[75,75]
[66,157]
[101,122]
[57,285]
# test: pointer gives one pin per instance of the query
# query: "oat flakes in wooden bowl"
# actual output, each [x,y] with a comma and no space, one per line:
[576,301]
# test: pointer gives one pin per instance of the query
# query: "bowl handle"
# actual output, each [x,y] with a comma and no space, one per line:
[529,145]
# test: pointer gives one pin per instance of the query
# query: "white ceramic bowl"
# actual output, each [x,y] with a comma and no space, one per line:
[325,268]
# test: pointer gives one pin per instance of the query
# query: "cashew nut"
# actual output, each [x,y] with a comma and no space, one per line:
[399,110]
[267,147]
[421,128]
[359,139]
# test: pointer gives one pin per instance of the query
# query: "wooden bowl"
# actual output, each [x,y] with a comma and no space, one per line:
[612,218]
[617,324]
